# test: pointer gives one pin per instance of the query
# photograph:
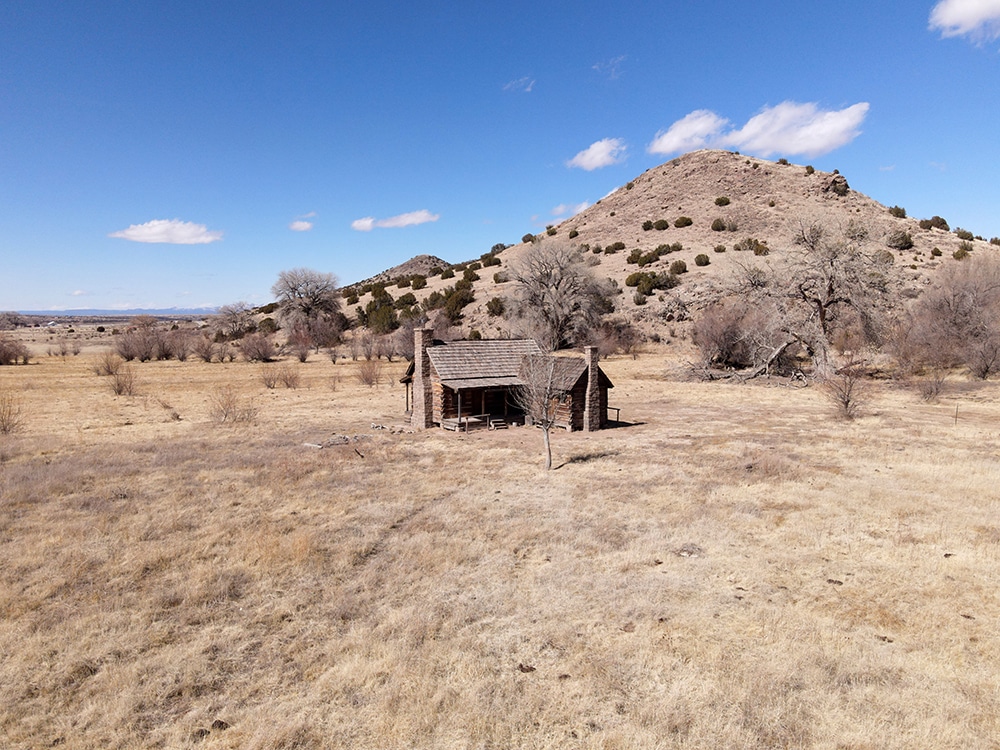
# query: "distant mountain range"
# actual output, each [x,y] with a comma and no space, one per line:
[185,312]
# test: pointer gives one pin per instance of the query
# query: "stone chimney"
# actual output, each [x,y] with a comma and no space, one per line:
[592,416]
[422,415]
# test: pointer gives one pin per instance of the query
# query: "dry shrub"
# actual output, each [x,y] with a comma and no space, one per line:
[203,348]
[847,389]
[108,364]
[12,352]
[269,376]
[124,381]
[228,407]
[369,372]
[289,376]
[258,348]
[11,415]
[735,333]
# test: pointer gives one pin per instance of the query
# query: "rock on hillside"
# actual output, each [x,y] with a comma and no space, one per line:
[728,198]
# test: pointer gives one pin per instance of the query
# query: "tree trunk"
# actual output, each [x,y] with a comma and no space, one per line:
[548,448]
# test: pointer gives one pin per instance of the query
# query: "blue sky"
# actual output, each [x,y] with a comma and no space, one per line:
[181,154]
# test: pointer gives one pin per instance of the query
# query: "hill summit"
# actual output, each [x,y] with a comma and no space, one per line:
[713,210]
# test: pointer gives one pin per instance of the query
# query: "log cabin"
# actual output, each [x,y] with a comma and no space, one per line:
[463,384]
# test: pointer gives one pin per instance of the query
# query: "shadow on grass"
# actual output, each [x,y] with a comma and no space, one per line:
[586,458]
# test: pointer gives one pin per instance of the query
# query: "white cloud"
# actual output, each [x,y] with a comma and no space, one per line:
[979,19]
[788,128]
[691,132]
[569,209]
[368,223]
[78,293]
[525,84]
[300,225]
[611,68]
[602,153]
[169,231]
[792,128]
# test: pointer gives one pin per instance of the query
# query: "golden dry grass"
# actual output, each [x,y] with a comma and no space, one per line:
[738,570]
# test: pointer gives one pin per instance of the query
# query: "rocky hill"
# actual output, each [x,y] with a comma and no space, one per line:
[710,203]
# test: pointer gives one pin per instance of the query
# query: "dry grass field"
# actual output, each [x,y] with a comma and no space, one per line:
[736,569]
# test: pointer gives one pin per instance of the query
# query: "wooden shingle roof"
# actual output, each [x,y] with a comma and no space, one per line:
[480,364]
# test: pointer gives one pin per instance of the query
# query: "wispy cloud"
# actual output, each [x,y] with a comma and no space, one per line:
[170,232]
[569,209]
[611,68]
[788,128]
[525,84]
[78,293]
[977,19]
[368,223]
[602,153]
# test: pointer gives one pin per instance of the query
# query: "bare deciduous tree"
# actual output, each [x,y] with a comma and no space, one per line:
[958,321]
[310,300]
[539,397]
[234,320]
[557,296]
[828,282]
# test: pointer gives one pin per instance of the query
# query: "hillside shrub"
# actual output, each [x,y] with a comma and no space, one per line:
[447,274]
[405,300]
[496,307]
[964,248]
[470,275]
[456,301]
[678,267]
[810,169]
[647,225]
[629,185]
[963,234]
[935,222]
[683,221]
[752,244]
[500,277]
[719,225]
[936,252]
[898,211]
[722,200]
[550,231]
[660,224]
[783,161]
[573,234]
[418,282]
[614,248]
[995,240]
[639,298]
[899,240]
[720,248]
[403,282]
[701,259]
[597,249]
[528,238]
